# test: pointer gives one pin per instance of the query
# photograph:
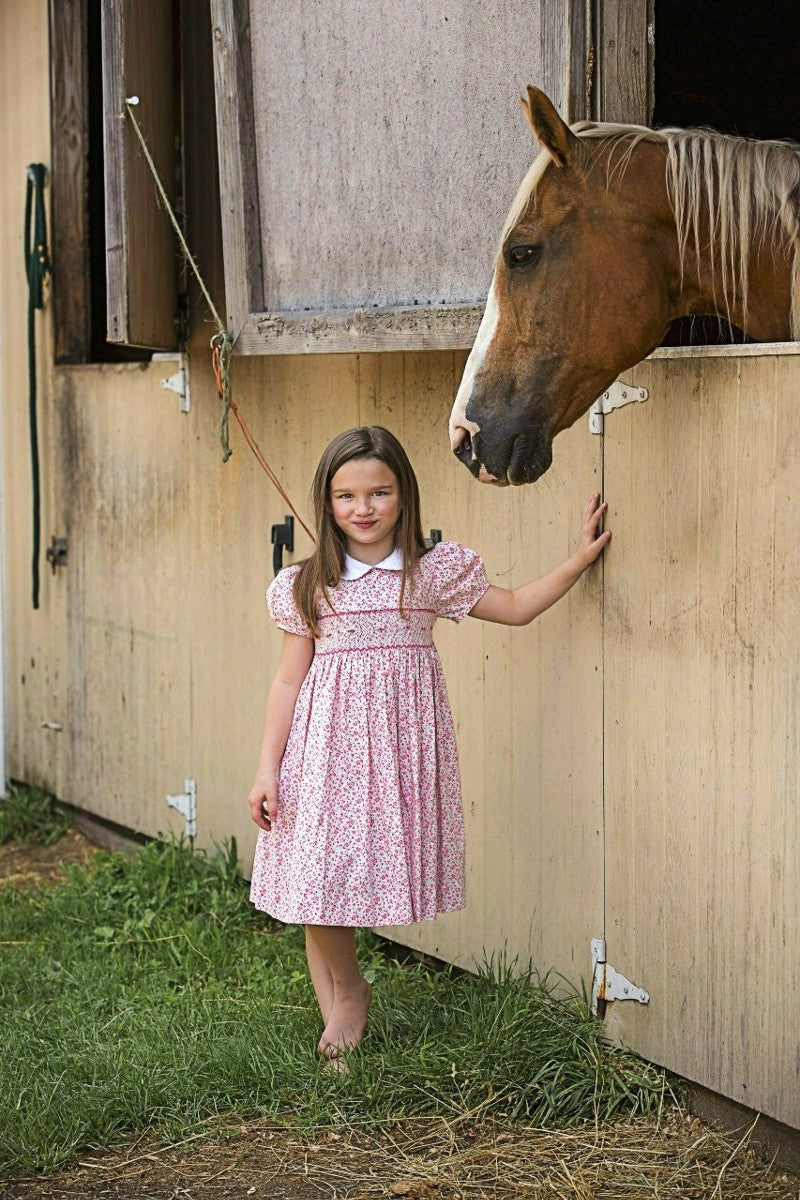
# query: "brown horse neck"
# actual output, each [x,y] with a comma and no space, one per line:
[697,283]
[694,287]
[768,304]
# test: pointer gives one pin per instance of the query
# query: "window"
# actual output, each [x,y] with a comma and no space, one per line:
[89,224]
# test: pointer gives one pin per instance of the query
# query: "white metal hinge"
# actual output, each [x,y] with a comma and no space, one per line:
[186,803]
[607,983]
[617,396]
[179,382]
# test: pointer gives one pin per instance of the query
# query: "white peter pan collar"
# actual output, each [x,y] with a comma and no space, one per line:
[354,568]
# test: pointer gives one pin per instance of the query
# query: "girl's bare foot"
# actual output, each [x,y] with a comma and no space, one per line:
[347,1022]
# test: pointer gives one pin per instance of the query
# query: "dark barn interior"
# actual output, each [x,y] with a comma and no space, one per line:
[732,66]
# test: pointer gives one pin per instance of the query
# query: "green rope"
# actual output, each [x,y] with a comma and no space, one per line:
[221,338]
[37,268]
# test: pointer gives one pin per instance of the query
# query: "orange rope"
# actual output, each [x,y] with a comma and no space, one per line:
[251,441]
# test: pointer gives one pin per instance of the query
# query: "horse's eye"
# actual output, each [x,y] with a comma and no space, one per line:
[521,256]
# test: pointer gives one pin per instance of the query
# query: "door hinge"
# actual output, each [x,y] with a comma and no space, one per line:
[186,804]
[608,983]
[179,382]
[617,396]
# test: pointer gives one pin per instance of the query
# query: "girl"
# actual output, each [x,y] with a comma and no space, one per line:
[357,794]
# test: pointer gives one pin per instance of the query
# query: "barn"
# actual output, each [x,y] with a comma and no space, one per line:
[630,761]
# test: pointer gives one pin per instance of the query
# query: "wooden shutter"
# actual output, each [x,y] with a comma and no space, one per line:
[368,155]
[70,159]
[141,250]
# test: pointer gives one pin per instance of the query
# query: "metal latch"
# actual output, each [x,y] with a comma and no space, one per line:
[617,396]
[280,536]
[608,984]
[179,382]
[186,803]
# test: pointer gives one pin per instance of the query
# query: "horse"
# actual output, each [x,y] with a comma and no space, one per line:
[616,231]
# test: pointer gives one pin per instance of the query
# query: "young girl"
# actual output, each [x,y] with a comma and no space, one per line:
[357,794]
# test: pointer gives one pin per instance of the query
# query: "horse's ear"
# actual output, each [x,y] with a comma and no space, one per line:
[548,128]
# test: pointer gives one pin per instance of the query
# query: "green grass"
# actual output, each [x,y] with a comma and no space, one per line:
[31,815]
[147,994]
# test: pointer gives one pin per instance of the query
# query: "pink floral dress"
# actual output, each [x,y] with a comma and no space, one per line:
[370,828]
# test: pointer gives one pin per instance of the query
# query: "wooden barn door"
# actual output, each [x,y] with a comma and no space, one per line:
[129,582]
[702,721]
[702,689]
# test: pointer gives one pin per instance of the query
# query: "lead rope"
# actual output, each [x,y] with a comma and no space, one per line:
[221,345]
[37,268]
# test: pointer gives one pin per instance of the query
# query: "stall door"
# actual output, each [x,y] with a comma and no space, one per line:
[128,724]
[702,722]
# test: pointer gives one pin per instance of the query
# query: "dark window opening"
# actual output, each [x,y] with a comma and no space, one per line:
[100,350]
[734,67]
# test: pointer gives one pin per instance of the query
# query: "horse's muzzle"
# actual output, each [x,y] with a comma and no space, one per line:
[520,458]
[530,458]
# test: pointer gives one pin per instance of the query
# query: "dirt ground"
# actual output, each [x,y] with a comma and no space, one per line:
[26,866]
[675,1157]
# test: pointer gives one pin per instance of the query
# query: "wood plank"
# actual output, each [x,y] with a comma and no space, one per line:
[69,180]
[241,220]
[624,46]
[565,57]
[35,646]
[702,725]
[141,253]
[748,350]
[334,331]
[128,717]
[429,327]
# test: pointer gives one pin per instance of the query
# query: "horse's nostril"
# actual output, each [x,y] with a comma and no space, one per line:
[457,435]
[463,451]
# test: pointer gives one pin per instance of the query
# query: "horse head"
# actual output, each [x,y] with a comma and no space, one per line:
[584,286]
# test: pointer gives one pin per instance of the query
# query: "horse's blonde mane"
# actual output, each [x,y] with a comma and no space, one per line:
[749,189]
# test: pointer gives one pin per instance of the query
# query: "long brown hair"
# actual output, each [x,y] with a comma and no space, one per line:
[324,568]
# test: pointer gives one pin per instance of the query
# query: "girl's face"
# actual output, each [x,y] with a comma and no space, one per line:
[365,503]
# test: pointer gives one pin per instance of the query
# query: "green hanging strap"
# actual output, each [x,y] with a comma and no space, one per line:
[37,267]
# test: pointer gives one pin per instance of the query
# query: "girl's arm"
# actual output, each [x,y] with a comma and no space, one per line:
[519,606]
[295,661]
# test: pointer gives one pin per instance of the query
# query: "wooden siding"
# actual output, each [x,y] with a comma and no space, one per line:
[702,723]
[36,647]
[127,723]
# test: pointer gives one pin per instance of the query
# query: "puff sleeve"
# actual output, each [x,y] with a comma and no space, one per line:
[459,579]
[281,603]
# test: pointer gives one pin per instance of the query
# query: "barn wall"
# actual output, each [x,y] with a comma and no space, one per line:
[36,648]
[702,722]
